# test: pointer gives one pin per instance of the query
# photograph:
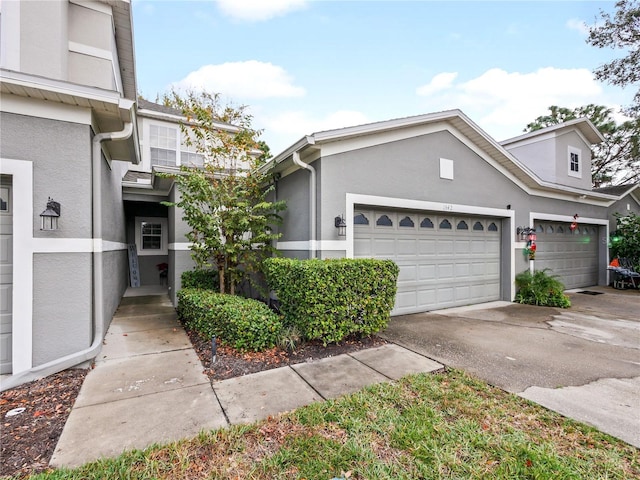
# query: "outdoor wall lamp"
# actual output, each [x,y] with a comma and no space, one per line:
[524,232]
[49,218]
[341,225]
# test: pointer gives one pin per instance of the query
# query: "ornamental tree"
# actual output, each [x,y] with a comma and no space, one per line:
[226,202]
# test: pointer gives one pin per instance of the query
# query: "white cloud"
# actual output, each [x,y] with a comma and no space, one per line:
[504,102]
[578,25]
[242,80]
[282,129]
[258,10]
[440,82]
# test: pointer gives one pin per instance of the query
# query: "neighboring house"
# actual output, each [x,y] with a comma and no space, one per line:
[69,132]
[164,149]
[444,200]
[81,189]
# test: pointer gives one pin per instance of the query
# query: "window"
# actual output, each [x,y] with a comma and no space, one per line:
[493,227]
[163,145]
[189,156]
[426,223]
[445,224]
[462,225]
[151,236]
[4,199]
[575,167]
[478,226]
[360,219]
[384,221]
[406,222]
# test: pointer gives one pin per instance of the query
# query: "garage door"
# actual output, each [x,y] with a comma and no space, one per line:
[6,275]
[445,260]
[572,256]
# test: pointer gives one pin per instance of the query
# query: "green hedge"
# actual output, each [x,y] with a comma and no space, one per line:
[541,289]
[331,299]
[199,278]
[244,323]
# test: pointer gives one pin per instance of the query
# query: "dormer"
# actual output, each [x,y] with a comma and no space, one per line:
[559,154]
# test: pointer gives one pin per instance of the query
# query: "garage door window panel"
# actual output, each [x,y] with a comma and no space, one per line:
[445,224]
[426,223]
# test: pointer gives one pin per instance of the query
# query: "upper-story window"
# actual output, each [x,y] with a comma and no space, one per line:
[163,144]
[575,162]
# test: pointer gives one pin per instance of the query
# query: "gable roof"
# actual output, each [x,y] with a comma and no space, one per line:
[457,123]
[583,125]
[170,114]
[618,190]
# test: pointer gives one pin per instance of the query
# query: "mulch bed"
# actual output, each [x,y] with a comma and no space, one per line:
[28,439]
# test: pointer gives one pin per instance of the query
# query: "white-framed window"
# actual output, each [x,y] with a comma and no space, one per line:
[189,156]
[163,143]
[575,162]
[151,236]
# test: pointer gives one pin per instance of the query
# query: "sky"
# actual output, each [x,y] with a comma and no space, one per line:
[305,66]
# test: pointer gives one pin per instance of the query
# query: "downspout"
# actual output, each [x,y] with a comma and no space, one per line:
[90,353]
[312,203]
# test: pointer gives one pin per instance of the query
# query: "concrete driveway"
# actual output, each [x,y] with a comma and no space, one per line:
[583,362]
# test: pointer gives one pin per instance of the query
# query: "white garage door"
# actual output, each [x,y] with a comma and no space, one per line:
[6,275]
[572,256]
[445,260]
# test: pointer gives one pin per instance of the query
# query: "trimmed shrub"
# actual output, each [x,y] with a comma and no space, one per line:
[243,323]
[331,299]
[199,278]
[541,289]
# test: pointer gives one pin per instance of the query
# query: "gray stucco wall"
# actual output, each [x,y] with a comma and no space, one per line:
[115,266]
[539,157]
[562,155]
[626,205]
[61,153]
[294,189]
[62,293]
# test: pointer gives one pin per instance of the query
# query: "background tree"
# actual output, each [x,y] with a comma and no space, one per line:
[225,203]
[625,241]
[620,31]
[616,161]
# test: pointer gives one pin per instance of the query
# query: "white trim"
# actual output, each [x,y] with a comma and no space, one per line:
[305,245]
[552,217]
[163,250]
[180,246]
[578,152]
[22,313]
[91,5]
[90,51]
[75,245]
[39,108]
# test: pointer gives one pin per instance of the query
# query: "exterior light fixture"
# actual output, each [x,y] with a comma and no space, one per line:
[341,225]
[524,232]
[49,218]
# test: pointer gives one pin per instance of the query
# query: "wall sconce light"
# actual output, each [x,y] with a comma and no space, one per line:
[341,225]
[524,232]
[49,218]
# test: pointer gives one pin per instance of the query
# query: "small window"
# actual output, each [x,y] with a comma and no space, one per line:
[163,145]
[445,224]
[426,223]
[406,222]
[585,231]
[151,236]
[4,199]
[360,219]
[560,229]
[549,229]
[384,221]
[575,167]
[593,230]
[462,225]
[478,226]
[539,229]
[493,227]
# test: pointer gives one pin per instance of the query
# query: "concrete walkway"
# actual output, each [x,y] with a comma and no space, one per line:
[148,387]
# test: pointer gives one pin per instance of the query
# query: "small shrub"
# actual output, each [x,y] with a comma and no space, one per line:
[199,278]
[541,289]
[329,300]
[243,323]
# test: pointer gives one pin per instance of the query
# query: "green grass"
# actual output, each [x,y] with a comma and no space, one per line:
[445,425]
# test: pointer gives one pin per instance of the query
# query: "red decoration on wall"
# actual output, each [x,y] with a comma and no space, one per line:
[574,224]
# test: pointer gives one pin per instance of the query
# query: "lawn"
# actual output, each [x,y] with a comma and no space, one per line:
[446,425]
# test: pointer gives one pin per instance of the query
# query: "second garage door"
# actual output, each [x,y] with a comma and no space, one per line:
[572,256]
[445,260]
